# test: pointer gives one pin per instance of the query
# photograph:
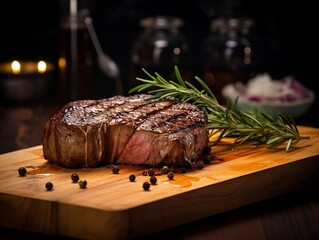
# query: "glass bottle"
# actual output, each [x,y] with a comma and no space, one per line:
[159,48]
[75,57]
[226,54]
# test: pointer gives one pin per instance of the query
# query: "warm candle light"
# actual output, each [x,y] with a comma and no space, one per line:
[42,66]
[16,67]
[25,79]
[62,62]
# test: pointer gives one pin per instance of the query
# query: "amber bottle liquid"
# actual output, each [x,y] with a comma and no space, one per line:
[75,59]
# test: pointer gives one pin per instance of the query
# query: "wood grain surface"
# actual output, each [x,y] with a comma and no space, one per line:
[112,207]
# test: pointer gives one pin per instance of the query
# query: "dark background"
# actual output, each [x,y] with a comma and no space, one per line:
[283,34]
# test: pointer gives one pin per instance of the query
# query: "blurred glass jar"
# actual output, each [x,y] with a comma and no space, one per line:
[159,48]
[226,53]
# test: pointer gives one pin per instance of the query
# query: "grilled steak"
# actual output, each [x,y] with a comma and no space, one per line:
[125,130]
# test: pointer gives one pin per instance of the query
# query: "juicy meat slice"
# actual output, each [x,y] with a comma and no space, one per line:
[171,137]
[125,130]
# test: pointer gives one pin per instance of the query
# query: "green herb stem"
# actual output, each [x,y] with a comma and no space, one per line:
[229,121]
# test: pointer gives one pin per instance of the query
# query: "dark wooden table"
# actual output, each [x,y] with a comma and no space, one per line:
[294,215]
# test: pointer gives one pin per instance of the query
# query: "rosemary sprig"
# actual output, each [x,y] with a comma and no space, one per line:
[227,121]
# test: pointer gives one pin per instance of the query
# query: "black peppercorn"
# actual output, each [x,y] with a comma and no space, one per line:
[151,172]
[170,175]
[49,186]
[22,171]
[132,177]
[146,186]
[75,177]
[153,180]
[83,183]
[115,169]
[165,169]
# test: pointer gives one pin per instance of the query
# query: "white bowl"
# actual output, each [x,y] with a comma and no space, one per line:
[295,108]
[286,96]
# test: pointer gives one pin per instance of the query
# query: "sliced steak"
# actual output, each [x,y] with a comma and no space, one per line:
[125,130]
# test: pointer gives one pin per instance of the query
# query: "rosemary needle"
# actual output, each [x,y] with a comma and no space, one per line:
[227,121]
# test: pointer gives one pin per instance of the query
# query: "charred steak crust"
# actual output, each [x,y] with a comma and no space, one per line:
[125,130]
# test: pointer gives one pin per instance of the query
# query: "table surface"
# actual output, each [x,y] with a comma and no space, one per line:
[294,215]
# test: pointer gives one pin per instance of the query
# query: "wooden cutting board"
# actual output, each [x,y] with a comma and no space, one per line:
[112,207]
